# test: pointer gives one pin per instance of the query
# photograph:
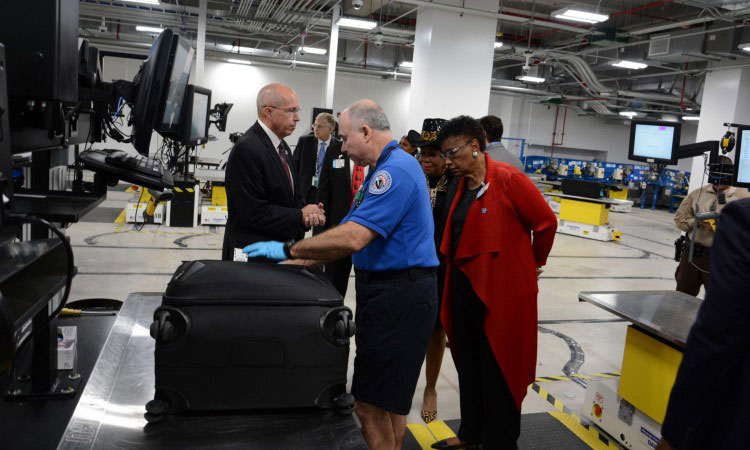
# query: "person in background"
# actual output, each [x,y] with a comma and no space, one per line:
[498,234]
[493,128]
[691,276]
[340,179]
[708,405]
[310,152]
[263,198]
[409,142]
[389,231]
[442,189]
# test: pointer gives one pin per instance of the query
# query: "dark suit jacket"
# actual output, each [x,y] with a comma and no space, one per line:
[708,406]
[260,203]
[335,191]
[306,158]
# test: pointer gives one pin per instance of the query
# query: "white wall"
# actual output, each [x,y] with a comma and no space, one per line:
[239,84]
[586,137]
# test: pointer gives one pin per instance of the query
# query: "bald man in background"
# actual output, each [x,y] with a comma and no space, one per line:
[263,197]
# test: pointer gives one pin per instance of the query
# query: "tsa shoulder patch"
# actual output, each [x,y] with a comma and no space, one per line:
[381,182]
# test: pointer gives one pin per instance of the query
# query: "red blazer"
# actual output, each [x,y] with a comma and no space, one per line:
[498,255]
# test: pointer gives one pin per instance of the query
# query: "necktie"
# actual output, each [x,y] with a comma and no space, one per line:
[285,163]
[321,155]
[358,176]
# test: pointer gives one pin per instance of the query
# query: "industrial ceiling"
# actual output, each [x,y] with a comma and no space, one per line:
[678,40]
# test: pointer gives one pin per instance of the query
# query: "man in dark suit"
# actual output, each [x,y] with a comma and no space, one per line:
[263,197]
[310,152]
[708,404]
[340,179]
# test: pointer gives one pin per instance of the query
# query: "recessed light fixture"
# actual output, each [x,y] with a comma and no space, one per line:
[407,64]
[691,118]
[147,2]
[578,15]
[629,65]
[629,114]
[145,29]
[498,44]
[239,61]
[530,79]
[359,24]
[314,50]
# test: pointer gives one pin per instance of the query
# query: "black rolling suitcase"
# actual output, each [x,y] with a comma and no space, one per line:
[232,336]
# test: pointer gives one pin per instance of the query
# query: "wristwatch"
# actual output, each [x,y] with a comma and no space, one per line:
[288,248]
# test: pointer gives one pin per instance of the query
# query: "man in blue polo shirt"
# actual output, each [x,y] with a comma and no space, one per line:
[389,231]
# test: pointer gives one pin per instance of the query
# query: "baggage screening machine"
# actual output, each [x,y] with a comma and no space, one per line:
[632,408]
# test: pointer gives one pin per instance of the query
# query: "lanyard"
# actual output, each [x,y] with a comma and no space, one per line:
[360,196]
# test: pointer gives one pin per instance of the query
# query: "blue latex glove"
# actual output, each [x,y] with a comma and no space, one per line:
[272,250]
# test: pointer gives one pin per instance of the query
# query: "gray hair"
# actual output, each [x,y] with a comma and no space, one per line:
[271,95]
[367,112]
[328,117]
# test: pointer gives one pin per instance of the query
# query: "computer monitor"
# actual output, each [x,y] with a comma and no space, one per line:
[160,88]
[178,79]
[654,142]
[195,116]
[741,177]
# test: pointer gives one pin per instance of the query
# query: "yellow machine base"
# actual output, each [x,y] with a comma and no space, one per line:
[619,195]
[583,212]
[649,369]
[218,196]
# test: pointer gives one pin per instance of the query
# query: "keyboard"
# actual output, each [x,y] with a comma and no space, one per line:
[137,163]
[121,165]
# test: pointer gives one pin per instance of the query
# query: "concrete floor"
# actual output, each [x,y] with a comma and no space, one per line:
[115,260]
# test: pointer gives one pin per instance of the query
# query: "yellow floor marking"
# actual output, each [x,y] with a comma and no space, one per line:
[590,436]
[121,218]
[422,434]
[440,430]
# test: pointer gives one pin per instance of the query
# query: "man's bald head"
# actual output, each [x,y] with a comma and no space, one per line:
[274,94]
[364,131]
[367,112]
[278,109]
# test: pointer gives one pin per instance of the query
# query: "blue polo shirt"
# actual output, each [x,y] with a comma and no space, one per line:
[394,202]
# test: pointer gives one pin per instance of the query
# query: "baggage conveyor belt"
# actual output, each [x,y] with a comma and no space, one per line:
[110,412]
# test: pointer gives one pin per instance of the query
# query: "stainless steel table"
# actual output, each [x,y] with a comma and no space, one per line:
[606,201]
[668,315]
[109,414]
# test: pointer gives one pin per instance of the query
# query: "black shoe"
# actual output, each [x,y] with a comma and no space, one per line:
[444,445]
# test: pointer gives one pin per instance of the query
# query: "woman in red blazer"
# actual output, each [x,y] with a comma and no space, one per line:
[497,237]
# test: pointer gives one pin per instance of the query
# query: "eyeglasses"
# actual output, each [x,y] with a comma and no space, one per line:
[291,111]
[451,153]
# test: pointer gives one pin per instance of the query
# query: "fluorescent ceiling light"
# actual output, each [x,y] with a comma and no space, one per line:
[530,79]
[745,47]
[239,61]
[630,114]
[692,118]
[314,50]
[149,29]
[360,24]
[498,44]
[630,65]
[578,15]
[147,2]
[407,64]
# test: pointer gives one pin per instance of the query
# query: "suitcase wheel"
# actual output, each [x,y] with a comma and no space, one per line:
[156,411]
[344,404]
[344,327]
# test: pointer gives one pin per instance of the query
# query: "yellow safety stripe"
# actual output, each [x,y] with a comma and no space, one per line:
[422,434]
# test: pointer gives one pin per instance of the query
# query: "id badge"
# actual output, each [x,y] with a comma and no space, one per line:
[315,181]
[239,255]
[338,163]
